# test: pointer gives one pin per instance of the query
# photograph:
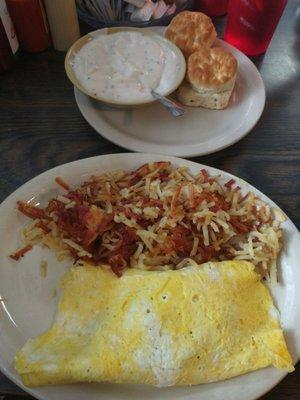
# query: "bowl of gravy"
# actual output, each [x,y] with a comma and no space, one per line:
[121,66]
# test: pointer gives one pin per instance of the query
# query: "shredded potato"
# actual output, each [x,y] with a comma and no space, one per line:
[156,217]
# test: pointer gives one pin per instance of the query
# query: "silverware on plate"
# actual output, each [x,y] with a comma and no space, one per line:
[174,108]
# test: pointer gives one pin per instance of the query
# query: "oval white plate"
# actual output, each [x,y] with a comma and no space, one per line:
[27,306]
[200,131]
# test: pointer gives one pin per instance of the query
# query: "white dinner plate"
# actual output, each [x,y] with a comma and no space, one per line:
[200,131]
[28,302]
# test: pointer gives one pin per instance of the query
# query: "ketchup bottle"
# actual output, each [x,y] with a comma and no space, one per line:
[6,54]
[31,24]
[9,44]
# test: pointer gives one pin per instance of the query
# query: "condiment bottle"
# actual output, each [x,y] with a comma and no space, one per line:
[31,24]
[9,44]
[63,20]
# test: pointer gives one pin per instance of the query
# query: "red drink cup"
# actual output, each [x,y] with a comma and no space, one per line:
[251,24]
[213,8]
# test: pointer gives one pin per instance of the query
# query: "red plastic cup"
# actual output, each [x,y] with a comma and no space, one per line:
[251,24]
[213,8]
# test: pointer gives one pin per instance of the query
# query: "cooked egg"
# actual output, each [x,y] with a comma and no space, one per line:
[198,324]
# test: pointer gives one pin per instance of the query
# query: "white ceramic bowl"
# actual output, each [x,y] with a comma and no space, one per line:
[177,78]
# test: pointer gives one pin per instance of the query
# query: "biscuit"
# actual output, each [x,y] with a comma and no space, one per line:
[212,69]
[190,30]
[187,96]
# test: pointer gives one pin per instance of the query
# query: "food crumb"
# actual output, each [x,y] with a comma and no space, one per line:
[43,268]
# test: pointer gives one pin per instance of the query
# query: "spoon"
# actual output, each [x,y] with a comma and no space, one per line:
[174,108]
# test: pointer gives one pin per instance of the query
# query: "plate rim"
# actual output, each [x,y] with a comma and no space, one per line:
[35,392]
[121,139]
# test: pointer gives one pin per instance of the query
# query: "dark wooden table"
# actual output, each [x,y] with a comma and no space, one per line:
[41,127]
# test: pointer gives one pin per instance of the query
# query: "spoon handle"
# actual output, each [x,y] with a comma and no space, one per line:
[174,108]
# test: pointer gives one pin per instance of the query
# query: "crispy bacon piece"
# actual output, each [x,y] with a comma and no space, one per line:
[62,183]
[70,221]
[164,176]
[53,205]
[240,227]
[43,226]
[145,170]
[96,223]
[119,258]
[205,175]
[77,196]
[127,241]
[174,209]
[180,241]
[244,198]
[192,200]
[21,253]
[140,220]
[229,184]
[218,199]
[147,202]
[206,252]
[221,203]
[227,253]
[141,171]
[117,264]
[30,210]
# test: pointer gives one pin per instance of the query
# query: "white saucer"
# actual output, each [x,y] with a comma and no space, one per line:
[200,131]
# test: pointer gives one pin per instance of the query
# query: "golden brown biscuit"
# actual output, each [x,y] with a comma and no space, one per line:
[190,30]
[190,97]
[211,69]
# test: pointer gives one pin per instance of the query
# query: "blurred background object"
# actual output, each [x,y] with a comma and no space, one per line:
[251,24]
[137,13]
[213,8]
[31,24]
[63,21]
[9,44]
